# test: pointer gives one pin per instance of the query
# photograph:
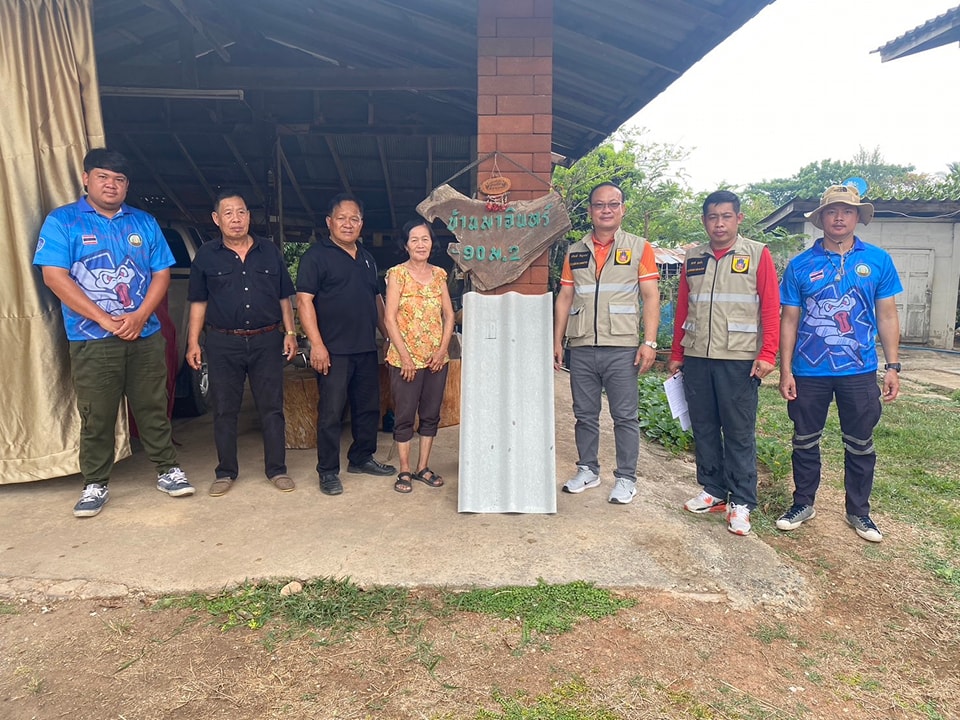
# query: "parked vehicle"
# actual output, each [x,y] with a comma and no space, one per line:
[193,386]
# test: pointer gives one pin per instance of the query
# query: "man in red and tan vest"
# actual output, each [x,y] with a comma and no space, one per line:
[598,310]
[725,337]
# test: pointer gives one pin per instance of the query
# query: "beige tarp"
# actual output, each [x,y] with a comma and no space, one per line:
[51,117]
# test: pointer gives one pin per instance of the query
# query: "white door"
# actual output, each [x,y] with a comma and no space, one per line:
[915,268]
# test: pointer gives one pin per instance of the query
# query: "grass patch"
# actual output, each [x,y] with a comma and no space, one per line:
[567,702]
[546,609]
[339,606]
[8,609]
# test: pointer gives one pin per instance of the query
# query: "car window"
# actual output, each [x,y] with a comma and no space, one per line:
[177,247]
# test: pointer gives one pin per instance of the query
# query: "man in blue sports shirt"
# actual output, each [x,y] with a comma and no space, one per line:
[110,266]
[837,297]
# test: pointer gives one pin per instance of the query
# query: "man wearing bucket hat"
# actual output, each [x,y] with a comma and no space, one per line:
[837,297]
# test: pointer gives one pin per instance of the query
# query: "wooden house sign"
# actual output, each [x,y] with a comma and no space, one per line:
[496,247]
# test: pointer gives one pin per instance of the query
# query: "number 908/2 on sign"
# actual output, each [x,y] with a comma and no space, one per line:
[469,253]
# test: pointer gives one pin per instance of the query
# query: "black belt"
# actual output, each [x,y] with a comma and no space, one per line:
[246,333]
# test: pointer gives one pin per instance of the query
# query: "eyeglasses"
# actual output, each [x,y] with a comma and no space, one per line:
[615,205]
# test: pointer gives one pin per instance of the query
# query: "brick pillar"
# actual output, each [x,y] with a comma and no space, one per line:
[515,104]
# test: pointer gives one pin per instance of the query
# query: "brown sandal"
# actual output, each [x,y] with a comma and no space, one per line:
[403,483]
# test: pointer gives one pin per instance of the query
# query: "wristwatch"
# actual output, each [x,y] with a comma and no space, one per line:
[650,344]
[892,366]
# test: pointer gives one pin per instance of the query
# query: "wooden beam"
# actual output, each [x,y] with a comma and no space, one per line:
[246,169]
[167,190]
[429,187]
[338,162]
[293,180]
[295,78]
[188,56]
[386,179]
[425,130]
[193,166]
[218,47]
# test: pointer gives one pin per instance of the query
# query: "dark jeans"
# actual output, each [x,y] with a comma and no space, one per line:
[104,371]
[859,409]
[423,396]
[722,398]
[231,359]
[354,379]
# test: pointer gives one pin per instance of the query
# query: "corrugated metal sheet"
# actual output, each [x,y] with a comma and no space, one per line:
[941,30]
[507,442]
[294,61]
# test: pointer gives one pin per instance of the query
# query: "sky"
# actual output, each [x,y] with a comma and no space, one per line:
[798,84]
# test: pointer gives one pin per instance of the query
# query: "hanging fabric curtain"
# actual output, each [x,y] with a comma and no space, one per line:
[51,118]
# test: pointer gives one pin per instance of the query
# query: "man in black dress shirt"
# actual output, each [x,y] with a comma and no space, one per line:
[340,310]
[240,287]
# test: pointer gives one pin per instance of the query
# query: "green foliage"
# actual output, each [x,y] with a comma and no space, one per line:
[8,609]
[643,169]
[654,416]
[812,179]
[292,252]
[567,702]
[548,609]
[326,603]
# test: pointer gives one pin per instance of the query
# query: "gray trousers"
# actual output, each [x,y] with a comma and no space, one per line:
[593,369]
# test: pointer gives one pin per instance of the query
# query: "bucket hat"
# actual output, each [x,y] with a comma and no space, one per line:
[846,194]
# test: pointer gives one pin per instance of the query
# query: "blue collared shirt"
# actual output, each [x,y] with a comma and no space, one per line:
[112,260]
[837,296]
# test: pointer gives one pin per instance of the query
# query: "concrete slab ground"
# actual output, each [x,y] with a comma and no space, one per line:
[144,541]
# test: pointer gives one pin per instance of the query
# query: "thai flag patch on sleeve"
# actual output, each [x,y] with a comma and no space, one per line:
[89,239]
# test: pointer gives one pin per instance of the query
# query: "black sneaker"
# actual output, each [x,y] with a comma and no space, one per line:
[330,484]
[92,500]
[865,527]
[371,467]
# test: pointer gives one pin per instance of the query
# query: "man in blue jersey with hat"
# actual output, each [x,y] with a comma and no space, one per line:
[109,265]
[836,298]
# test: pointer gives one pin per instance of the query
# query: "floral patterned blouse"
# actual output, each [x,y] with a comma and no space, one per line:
[420,316]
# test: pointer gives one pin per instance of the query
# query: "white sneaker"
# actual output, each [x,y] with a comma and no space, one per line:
[623,492]
[738,519]
[583,480]
[705,503]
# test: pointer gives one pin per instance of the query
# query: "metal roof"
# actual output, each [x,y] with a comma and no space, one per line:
[794,211]
[293,101]
[934,33]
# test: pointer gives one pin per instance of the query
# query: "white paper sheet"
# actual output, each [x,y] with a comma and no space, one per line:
[673,387]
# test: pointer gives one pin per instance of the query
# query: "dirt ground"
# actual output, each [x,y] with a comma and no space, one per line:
[880,639]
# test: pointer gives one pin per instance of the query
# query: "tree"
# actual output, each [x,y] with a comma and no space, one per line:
[811,180]
[643,169]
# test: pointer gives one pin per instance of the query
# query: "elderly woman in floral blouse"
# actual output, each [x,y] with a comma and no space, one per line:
[419,319]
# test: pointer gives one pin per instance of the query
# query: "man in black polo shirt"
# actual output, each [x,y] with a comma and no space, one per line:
[340,310]
[240,286]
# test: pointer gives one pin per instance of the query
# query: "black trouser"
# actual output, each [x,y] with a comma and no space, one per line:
[859,409]
[231,359]
[722,399]
[422,396]
[354,379]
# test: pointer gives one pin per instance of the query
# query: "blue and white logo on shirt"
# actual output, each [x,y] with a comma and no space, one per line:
[835,329]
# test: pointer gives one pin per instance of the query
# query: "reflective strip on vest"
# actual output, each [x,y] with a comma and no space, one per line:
[726,297]
[606,287]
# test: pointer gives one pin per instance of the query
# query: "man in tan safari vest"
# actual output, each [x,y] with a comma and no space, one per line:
[598,310]
[725,337]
